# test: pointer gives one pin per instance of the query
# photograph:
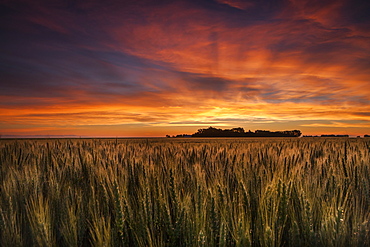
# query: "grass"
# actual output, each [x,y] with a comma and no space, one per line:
[185,192]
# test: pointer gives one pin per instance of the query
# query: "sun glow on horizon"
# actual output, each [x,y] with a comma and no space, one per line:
[151,69]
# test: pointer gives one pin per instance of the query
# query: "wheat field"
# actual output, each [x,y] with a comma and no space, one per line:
[185,192]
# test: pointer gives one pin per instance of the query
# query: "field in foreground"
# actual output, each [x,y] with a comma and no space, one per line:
[185,192]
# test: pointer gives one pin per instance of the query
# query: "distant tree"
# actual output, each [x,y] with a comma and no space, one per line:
[211,131]
[238,130]
[297,133]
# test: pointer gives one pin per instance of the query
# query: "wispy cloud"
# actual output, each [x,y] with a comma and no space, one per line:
[340,125]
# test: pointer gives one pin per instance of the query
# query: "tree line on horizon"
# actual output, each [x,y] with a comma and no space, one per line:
[240,132]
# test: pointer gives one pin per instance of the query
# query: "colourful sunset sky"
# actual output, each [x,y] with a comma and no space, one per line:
[150,68]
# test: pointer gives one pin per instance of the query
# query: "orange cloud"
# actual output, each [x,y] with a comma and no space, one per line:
[221,63]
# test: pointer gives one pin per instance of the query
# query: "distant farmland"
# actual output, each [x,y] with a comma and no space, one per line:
[185,192]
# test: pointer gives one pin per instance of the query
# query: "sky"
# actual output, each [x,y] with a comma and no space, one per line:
[150,68]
